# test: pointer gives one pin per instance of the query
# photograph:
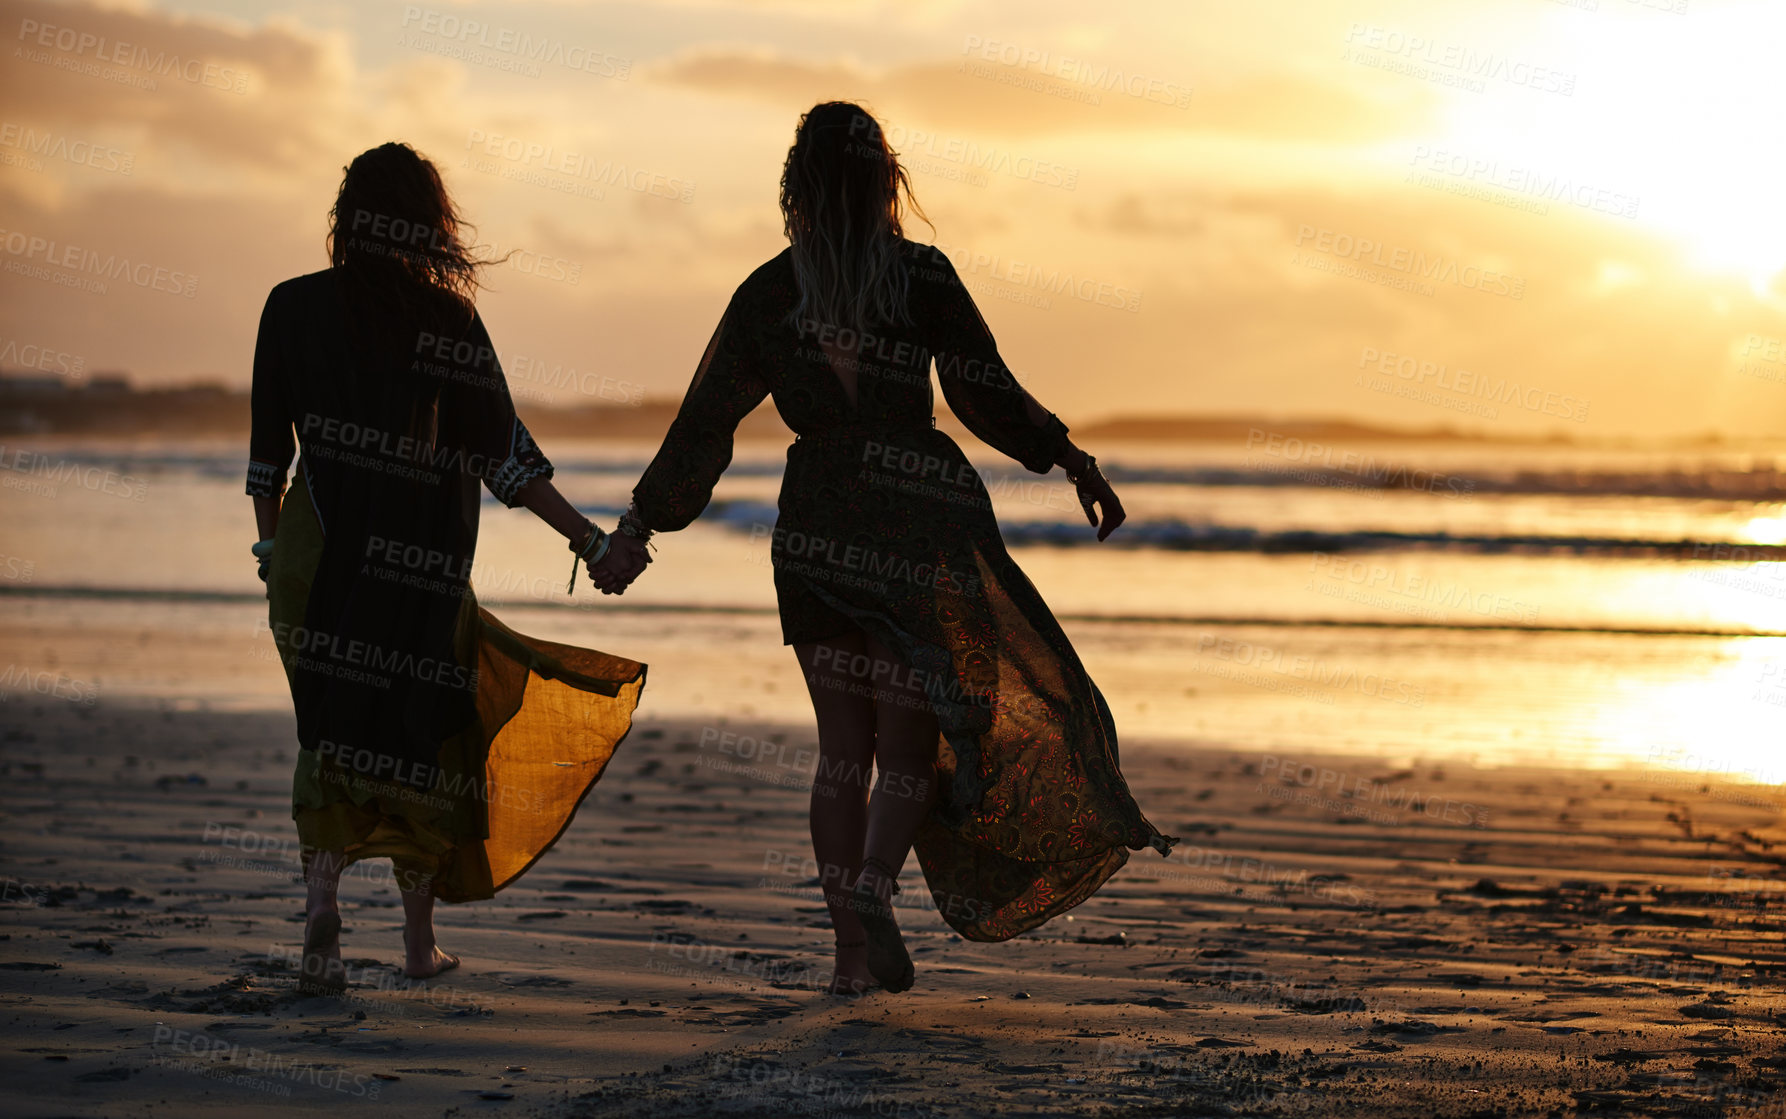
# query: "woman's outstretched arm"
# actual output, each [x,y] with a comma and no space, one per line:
[696,450]
[541,498]
[984,393]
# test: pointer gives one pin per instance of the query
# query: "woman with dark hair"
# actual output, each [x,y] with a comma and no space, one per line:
[430,733]
[927,653]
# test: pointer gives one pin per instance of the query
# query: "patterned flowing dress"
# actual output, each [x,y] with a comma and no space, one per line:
[430,733]
[884,526]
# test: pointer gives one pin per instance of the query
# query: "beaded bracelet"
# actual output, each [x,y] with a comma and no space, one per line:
[632,525]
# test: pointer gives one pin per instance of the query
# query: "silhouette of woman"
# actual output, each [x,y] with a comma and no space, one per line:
[431,734]
[926,651]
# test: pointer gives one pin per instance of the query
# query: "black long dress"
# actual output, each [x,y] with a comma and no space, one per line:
[429,732]
[884,526]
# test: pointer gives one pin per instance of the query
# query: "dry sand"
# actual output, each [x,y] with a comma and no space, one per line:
[1443,942]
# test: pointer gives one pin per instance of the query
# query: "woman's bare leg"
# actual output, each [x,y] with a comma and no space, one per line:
[905,784]
[422,957]
[838,814]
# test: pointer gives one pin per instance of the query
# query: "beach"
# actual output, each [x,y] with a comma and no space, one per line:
[1477,800]
[1333,935]
[1418,366]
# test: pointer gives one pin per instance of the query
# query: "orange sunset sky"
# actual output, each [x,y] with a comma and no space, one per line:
[1175,206]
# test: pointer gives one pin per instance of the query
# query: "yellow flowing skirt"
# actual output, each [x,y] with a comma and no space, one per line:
[549,718]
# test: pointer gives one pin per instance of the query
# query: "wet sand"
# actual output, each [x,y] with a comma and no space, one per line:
[1333,936]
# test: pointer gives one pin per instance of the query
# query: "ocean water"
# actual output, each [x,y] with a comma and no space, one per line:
[1489,604]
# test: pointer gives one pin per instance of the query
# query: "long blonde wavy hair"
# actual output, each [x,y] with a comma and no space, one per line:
[843,201]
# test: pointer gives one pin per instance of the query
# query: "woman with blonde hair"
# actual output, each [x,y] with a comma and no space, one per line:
[931,661]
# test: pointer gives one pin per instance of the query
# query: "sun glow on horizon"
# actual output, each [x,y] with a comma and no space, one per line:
[1676,118]
[1767,530]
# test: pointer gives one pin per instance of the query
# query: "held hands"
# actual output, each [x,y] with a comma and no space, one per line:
[626,558]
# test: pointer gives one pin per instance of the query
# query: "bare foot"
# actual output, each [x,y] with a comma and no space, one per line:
[849,970]
[888,961]
[427,967]
[322,972]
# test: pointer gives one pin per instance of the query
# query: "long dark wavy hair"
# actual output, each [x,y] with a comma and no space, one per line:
[396,233]
[843,200]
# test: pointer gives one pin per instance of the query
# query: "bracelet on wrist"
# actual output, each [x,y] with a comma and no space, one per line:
[595,542]
[591,551]
[631,525]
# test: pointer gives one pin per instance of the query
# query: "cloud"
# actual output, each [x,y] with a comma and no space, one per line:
[1249,314]
[267,95]
[972,94]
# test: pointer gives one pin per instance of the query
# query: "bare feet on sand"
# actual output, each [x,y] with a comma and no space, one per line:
[428,964]
[849,970]
[888,961]
[323,972]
